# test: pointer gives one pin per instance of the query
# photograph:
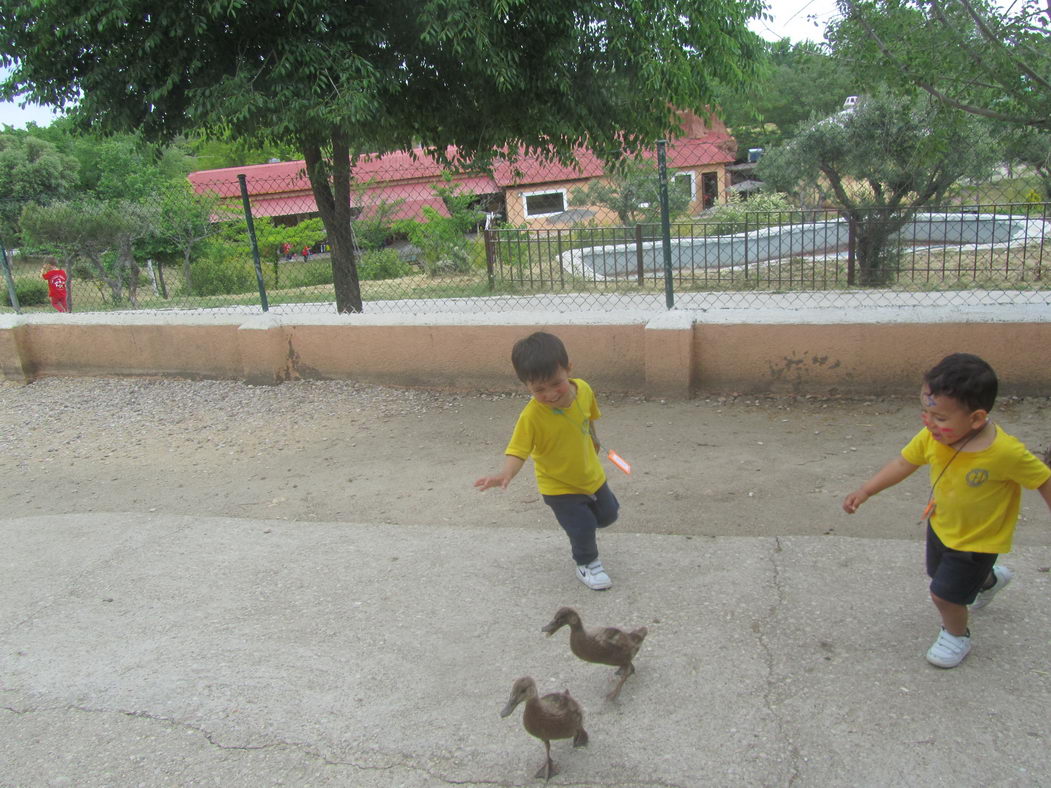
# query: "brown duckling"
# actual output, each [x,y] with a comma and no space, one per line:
[554,716]
[603,645]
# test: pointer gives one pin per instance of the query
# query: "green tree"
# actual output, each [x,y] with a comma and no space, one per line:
[882,162]
[990,60]
[101,234]
[803,80]
[1032,148]
[338,79]
[185,220]
[442,239]
[632,191]
[211,153]
[121,166]
[31,170]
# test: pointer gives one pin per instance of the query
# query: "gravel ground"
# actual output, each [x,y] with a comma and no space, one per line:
[336,451]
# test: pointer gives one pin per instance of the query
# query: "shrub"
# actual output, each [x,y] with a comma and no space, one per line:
[381,264]
[297,274]
[761,210]
[223,275]
[30,292]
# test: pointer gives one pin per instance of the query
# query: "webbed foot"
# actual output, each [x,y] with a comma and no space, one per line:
[547,770]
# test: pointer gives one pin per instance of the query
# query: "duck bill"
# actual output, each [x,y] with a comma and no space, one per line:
[551,628]
[506,710]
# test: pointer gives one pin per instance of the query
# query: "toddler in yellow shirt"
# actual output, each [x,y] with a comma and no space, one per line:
[556,428]
[977,471]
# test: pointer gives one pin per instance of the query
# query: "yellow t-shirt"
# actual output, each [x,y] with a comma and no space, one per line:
[978,495]
[559,441]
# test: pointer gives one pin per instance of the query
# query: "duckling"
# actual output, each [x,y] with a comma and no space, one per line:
[605,646]
[554,716]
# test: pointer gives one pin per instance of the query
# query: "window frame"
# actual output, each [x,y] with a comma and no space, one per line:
[536,193]
[693,182]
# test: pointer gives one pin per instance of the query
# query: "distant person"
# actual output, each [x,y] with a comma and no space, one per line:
[286,250]
[56,285]
[306,253]
[556,428]
[977,471]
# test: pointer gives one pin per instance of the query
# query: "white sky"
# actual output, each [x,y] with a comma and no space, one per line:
[794,19]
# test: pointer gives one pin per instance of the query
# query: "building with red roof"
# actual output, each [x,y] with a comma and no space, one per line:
[529,191]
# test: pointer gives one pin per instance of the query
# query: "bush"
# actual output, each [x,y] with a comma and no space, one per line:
[30,292]
[296,273]
[381,264]
[223,275]
[761,210]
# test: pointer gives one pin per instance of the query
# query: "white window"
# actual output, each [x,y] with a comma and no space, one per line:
[543,203]
[686,180]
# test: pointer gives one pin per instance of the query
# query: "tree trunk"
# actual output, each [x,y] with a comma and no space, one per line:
[333,202]
[112,281]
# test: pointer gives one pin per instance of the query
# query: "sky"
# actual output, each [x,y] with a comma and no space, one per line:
[791,19]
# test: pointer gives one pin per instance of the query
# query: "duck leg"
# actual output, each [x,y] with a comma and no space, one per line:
[624,672]
[548,769]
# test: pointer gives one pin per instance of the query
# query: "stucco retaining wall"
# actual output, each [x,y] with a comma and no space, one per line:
[670,354]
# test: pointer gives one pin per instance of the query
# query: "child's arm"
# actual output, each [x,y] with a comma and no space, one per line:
[890,474]
[594,436]
[1045,492]
[512,465]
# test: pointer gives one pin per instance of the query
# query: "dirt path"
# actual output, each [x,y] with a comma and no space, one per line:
[337,451]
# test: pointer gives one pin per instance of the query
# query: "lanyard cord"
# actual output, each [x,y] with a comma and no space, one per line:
[930,499]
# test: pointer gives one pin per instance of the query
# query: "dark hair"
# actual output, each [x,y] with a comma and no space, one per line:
[539,357]
[967,379]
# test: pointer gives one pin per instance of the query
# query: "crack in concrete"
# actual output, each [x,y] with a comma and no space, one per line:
[312,751]
[772,682]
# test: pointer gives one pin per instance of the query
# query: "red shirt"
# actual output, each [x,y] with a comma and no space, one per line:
[56,283]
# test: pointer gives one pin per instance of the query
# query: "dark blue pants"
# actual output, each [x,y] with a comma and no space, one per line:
[581,515]
[956,576]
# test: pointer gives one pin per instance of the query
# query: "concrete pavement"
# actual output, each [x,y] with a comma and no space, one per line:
[162,650]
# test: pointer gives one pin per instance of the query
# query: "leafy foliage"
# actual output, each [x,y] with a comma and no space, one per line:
[987,59]
[442,240]
[100,234]
[632,192]
[31,170]
[881,162]
[336,79]
[802,81]
[376,264]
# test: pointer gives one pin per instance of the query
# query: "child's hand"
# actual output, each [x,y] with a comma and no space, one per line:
[853,501]
[486,482]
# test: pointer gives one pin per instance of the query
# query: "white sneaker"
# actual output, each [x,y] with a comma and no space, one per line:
[948,650]
[1003,576]
[593,576]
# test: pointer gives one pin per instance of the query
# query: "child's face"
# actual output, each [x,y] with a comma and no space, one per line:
[947,419]
[555,392]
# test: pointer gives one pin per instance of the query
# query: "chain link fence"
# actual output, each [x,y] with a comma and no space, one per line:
[526,234]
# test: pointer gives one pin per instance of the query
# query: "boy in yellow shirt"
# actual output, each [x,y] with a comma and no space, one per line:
[556,428]
[977,471]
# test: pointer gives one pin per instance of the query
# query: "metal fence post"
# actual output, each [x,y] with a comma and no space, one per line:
[255,246]
[490,257]
[10,280]
[638,254]
[850,251]
[662,176]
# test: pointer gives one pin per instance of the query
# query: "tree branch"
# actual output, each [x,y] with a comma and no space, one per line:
[1040,123]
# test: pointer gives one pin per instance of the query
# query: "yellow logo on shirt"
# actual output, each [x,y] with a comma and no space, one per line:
[977,477]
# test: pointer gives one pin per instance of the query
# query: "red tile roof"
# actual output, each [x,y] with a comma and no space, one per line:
[409,176]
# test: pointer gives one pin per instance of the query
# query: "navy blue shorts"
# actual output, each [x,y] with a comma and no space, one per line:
[956,575]
[580,515]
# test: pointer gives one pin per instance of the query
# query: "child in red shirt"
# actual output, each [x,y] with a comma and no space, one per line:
[56,286]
